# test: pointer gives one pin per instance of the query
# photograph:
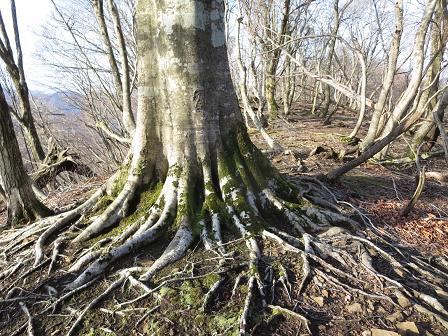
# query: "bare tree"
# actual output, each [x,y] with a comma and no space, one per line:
[14,67]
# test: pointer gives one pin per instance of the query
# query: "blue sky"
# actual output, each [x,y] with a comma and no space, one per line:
[31,14]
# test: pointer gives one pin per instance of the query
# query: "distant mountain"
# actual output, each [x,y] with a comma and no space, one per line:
[61,101]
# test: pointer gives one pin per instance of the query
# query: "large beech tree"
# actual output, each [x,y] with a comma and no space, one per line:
[191,155]
[21,202]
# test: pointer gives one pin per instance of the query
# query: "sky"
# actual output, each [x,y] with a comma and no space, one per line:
[31,14]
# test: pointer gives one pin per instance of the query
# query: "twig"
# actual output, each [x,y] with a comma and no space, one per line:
[141,319]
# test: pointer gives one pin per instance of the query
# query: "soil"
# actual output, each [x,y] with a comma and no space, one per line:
[379,191]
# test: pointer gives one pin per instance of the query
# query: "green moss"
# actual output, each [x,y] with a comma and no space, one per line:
[99,332]
[275,312]
[261,169]
[120,181]
[349,140]
[147,199]
[244,289]
[210,280]
[191,294]
[224,321]
[167,292]
[200,319]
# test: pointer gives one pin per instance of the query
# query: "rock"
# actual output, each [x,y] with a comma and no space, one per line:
[366,333]
[371,306]
[381,310]
[395,317]
[408,328]
[399,272]
[383,332]
[403,301]
[333,231]
[372,252]
[319,300]
[442,293]
[354,308]
[324,293]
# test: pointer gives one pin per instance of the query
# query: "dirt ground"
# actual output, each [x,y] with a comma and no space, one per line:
[380,192]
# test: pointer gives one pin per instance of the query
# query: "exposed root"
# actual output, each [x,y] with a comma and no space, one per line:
[175,250]
[211,293]
[114,212]
[247,303]
[60,221]
[145,315]
[94,302]
[30,328]
[56,251]
[235,200]
[70,294]
[301,318]
[235,286]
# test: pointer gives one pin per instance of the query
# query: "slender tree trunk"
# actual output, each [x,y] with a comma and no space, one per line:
[388,78]
[270,89]
[411,91]
[331,47]
[21,201]
[248,110]
[121,81]
[127,115]
[428,130]
[363,86]
[2,191]
[273,59]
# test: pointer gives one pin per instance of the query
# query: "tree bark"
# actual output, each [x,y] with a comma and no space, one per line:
[22,204]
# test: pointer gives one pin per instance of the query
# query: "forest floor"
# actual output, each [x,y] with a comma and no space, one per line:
[379,191]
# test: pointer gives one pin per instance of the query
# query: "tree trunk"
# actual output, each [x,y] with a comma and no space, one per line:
[21,202]
[270,88]
[190,135]
[363,84]
[273,55]
[247,108]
